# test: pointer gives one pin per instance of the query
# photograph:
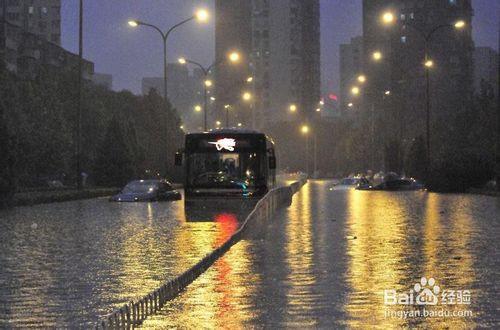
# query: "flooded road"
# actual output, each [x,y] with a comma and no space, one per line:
[329,259]
[63,264]
[67,264]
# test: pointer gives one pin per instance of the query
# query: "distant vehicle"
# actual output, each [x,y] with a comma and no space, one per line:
[227,163]
[147,191]
[350,183]
[396,185]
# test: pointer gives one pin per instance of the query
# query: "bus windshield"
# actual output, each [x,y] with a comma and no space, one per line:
[224,170]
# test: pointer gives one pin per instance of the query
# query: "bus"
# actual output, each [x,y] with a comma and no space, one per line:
[227,163]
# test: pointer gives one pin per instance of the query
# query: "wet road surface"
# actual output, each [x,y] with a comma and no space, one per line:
[63,264]
[326,261]
[67,264]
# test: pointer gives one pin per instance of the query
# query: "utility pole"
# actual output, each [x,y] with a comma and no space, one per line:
[498,131]
[79,106]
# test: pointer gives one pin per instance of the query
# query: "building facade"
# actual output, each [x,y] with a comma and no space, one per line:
[351,66]
[40,17]
[30,37]
[395,92]
[233,32]
[185,91]
[282,55]
[486,69]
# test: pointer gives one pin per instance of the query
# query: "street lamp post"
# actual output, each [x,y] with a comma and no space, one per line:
[201,15]
[388,18]
[79,107]
[305,130]
[233,57]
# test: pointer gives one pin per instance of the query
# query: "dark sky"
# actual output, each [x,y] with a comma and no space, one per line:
[130,54]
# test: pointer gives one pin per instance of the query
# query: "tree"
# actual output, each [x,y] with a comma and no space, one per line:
[114,163]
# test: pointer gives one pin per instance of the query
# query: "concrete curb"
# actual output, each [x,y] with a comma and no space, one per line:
[134,313]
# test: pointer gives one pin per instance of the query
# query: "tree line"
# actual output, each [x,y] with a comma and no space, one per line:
[124,136]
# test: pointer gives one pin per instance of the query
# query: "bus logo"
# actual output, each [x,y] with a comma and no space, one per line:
[227,144]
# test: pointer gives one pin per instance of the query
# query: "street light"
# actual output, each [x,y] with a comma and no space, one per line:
[200,15]
[350,105]
[247,96]
[387,92]
[377,55]
[428,63]
[207,82]
[240,124]
[197,108]
[362,78]
[318,109]
[388,18]
[304,129]
[234,57]
[249,79]
[459,24]
[355,90]
[293,108]
[227,107]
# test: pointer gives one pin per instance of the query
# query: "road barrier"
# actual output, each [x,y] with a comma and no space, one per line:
[135,312]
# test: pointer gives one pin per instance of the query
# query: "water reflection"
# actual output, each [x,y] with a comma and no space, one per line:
[84,258]
[323,262]
[327,259]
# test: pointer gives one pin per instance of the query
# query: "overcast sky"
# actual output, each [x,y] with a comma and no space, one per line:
[130,54]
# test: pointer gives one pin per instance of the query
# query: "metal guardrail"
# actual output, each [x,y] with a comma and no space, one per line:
[135,312]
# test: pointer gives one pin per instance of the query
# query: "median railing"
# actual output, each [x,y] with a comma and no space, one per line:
[135,312]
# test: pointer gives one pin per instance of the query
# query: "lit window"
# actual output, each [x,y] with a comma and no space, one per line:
[403,17]
[403,39]
[412,15]
[452,2]
[31,10]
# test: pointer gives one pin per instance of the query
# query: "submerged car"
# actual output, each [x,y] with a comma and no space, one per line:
[351,183]
[147,191]
[396,185]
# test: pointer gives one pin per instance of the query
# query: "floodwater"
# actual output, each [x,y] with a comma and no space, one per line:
[66,264]
[328,260]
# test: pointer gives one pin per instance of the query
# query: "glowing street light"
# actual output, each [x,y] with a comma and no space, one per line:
[133,23]
[208,83]
[350,105]
[429,63]
[240,124]
[218,123]
[201,15]
[377,55]
[197,108]
[355,90]
[387,92]
[318,109]
[388,18]
[293,108]
[234,57]
[304,129]
[362,78]
[459,24]
[247,96]
[182,60]
[249,79]
[212,98]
